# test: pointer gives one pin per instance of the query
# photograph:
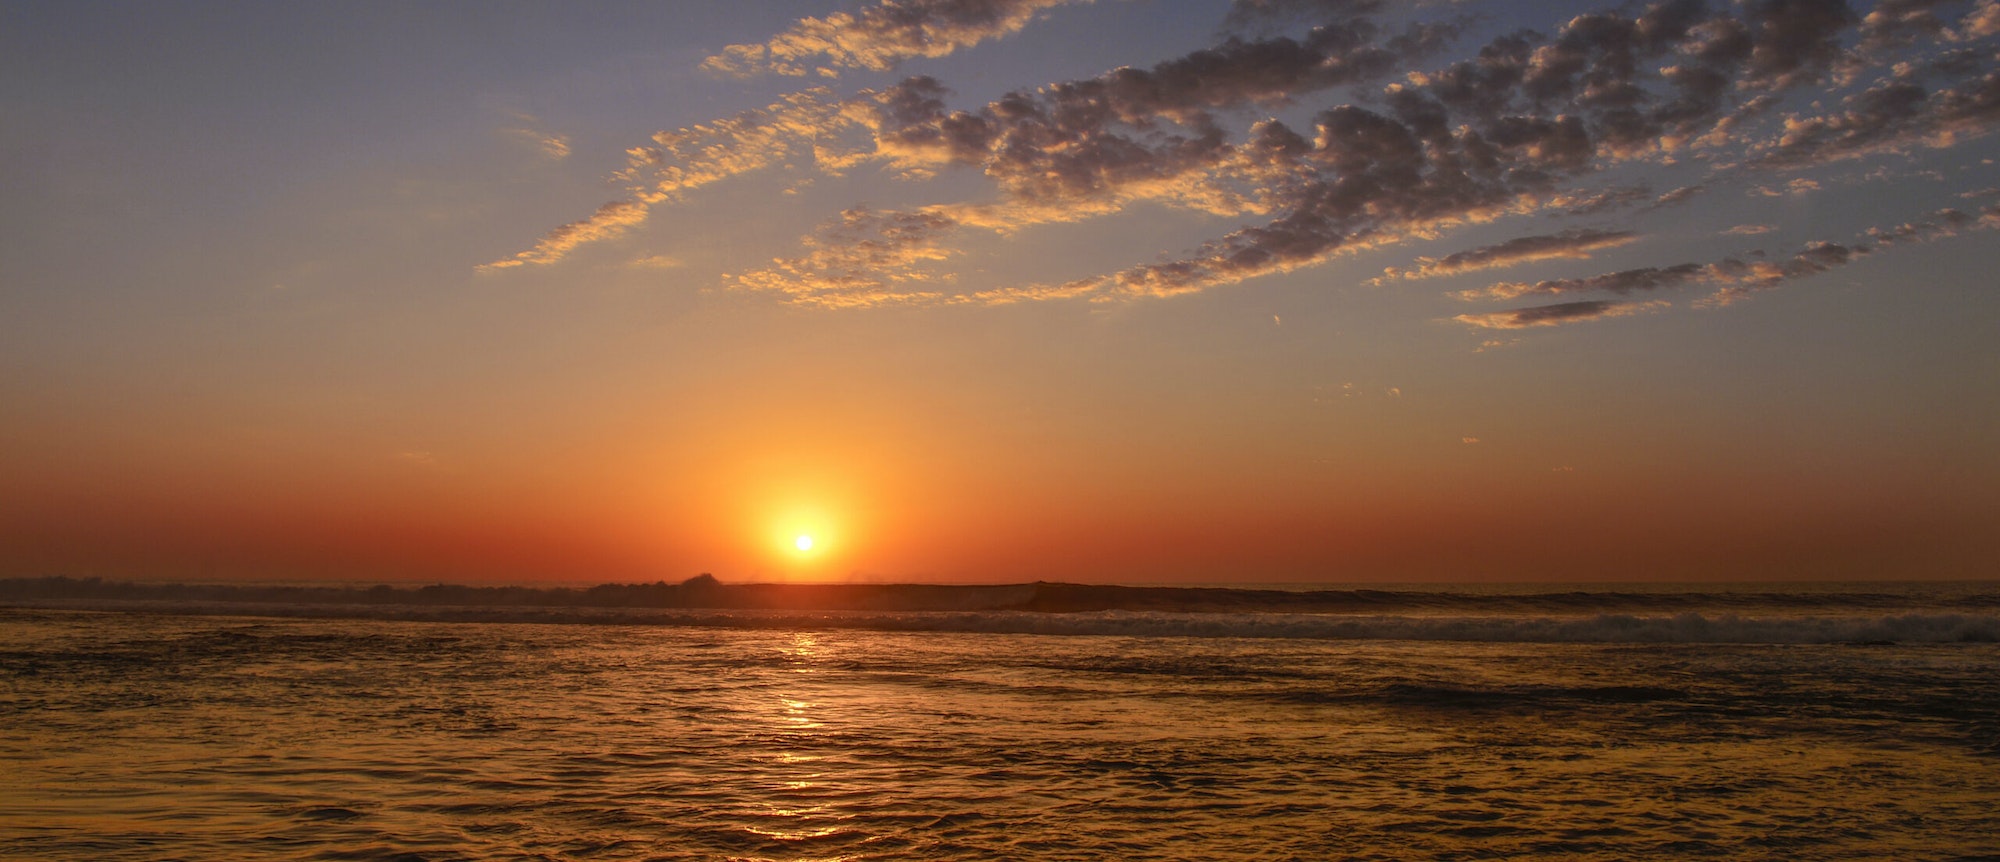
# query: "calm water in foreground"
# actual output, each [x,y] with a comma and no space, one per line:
[139,736]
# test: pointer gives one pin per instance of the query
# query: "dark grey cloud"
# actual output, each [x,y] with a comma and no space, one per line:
[1558,314]
[1738,277]
[1085,138]
[1598,201]
[1575,243]
[1943,223]
[1642,279]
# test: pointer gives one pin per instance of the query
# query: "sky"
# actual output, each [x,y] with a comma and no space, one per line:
[1263,291]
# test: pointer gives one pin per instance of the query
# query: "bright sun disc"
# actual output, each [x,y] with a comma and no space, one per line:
[803,543]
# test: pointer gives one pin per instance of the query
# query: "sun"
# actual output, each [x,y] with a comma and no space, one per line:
[803,543]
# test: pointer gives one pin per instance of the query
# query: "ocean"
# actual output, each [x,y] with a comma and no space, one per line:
[1791,722]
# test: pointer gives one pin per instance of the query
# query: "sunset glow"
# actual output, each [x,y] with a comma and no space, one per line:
[955,430]
[1118,291]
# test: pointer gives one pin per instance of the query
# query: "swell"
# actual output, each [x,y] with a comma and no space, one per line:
[705,592]
[1959,615]
[1685,628]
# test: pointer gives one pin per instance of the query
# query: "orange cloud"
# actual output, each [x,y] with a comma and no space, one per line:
[610,220]
[879,37]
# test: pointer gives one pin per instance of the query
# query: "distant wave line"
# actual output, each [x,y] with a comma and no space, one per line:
[1478,621]
[705,592]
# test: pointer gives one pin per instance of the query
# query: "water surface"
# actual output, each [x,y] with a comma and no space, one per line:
[144,736]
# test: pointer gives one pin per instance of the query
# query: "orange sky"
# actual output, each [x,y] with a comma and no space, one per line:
[1055,295]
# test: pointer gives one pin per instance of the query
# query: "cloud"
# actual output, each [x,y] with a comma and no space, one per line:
[677,162]
[1938,225]
[610,220]
[1982,22]
[1678,195]
[656,261]
[1623,281]
[1572,244]
[810,123]
[1484,137]
[1593,202]
[1311,145]
[879,37]
[1815,258]
[1558,314]
[1797,186]
[550,145]
[1902,111]
[1750,229]
[1739,277]
[865,257]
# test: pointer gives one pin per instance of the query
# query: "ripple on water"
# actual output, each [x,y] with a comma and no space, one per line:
[135,738]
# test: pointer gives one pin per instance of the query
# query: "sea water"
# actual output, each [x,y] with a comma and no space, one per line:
[1826,730]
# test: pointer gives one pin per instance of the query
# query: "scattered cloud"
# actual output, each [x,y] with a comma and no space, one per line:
[656,261]
[1678,195]
[1368,153]
[1558,314]
[610,220]
[880,36]
[1573,244]
[862,254]
[1736,276]
[1750,229]
[806,125]
[1984,21]
[1592,202]
[1938,225]
[530,131]
[1794,187]
[555,146]
[1624,281]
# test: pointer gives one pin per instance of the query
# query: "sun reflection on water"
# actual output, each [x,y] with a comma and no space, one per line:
[793,770]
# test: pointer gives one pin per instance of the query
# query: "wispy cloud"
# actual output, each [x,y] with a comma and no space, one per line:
[656,261]
[1737,277]
[530,131]
[1573,244]
[610,220]
[1558,314]
[1623,281]
[880,36]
